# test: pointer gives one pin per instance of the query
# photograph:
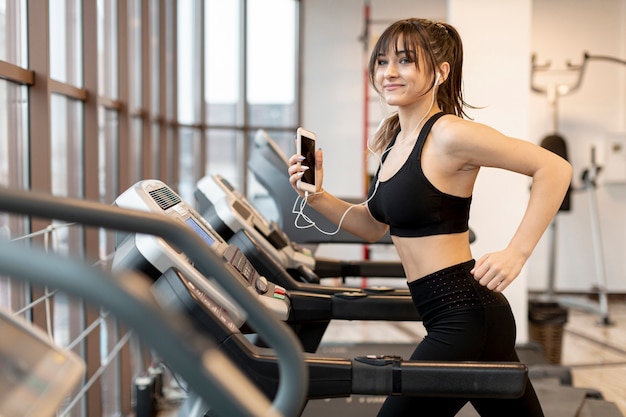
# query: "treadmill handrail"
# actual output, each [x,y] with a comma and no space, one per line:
[293,384]
[172,337]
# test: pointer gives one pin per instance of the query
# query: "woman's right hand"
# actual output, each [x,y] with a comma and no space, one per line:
[296,171]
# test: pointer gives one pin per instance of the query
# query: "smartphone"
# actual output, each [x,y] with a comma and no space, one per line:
[305,146]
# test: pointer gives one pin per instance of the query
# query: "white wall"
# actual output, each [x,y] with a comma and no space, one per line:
[495,71]
[562,31]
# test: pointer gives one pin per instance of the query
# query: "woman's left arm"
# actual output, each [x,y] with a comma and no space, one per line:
[551,175]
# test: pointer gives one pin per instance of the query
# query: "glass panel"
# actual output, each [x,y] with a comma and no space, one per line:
[222,62]
[111,402]
[107,48]
[68,325]
[134,53]
[155,146]
[170,111]
[66,41]
[13,38]
[136,156]
[188,62]
[271,37]
[155,68]
[13,135]
[190,170]
[169,156]
[66,165]
[66,144]
[13,173]
[285,141]
[108,144]
[224,155]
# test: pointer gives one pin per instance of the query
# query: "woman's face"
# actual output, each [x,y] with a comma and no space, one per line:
[398,79]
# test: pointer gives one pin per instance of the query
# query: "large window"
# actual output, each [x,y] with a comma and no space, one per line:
[251,79]
[271,69]
[98,95]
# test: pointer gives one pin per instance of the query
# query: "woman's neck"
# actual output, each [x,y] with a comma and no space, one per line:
[412,119]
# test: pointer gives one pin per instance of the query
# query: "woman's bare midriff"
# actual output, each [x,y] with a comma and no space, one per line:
[421,256]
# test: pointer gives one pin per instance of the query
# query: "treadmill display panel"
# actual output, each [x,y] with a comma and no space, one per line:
[200,231]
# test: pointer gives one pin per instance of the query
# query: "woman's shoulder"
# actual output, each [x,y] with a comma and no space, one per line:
[452,129]
[455,136]
[449,129]
[449,123]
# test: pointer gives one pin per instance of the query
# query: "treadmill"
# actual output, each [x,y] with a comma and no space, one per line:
[329,377]
[230,213]
[306,311]
[207,371]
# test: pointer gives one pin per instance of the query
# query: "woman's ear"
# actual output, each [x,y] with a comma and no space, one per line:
[444,71]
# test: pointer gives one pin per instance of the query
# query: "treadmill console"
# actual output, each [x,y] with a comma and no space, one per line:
[229,211]
[35,375]
[154,256]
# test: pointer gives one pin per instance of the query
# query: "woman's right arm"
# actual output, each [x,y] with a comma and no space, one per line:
[358,221]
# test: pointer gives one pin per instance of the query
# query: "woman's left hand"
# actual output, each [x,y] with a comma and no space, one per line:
[497,270]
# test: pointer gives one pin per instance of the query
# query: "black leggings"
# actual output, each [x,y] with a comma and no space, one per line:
[465,322]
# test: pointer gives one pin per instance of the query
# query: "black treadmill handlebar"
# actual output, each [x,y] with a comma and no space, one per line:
[334,377]
[330,268]
[352,305]
[293,382]
[392,376]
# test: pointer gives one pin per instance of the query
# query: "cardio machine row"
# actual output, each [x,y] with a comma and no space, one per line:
[306,307]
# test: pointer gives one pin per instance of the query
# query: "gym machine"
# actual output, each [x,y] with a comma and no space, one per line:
[35,374]
[308,309]
[210,374]
[329,377]
[229,212]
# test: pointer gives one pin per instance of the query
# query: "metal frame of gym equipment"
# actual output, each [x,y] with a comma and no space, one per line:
[175,338]
[589,177]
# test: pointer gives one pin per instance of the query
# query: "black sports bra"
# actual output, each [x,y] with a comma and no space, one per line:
[410,204]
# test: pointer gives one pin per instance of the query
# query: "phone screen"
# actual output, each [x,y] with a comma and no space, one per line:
[307,149]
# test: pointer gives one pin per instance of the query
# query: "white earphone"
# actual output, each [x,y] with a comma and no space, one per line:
[437,79]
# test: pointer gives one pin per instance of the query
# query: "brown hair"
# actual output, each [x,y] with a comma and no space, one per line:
[432,43]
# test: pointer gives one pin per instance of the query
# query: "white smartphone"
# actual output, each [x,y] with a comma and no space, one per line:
[305,146]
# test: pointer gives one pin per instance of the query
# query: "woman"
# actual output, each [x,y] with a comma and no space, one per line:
[430,157]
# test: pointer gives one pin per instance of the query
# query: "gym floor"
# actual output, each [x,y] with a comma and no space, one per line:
[595,353]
